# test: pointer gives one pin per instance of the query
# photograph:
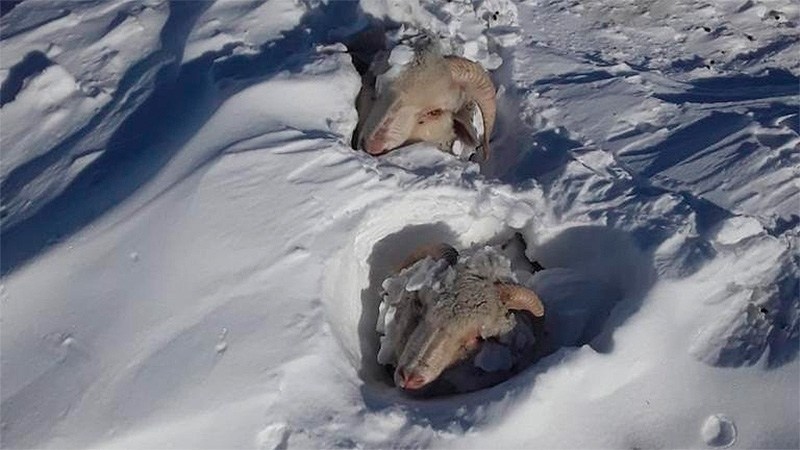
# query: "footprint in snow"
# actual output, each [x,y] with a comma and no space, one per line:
[718,431]
[222,345]
[274,437]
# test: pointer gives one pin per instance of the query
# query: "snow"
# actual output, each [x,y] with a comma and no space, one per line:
[71,90]
[192,253]
[244,26]
[399,58]
[718,431]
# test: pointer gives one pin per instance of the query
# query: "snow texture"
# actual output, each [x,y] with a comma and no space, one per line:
[192,253]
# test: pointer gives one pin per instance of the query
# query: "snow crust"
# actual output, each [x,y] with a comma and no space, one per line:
[192,253]
[243,26]
[71,89]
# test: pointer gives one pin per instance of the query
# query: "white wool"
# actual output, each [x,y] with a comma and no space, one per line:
[427,278]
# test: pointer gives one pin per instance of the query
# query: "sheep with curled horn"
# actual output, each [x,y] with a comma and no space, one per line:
[435,334]
[432,99]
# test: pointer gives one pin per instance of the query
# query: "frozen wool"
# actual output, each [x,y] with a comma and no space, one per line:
[430,278]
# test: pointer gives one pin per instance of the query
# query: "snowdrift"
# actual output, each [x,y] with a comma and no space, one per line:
[191,250]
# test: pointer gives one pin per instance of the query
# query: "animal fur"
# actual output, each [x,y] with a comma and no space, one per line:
[432,100]
[433,330]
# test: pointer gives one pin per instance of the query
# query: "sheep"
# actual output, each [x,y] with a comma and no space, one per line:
[433,331]
[420,95]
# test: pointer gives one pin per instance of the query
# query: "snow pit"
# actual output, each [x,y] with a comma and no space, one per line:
[198,284]
[382,57]
[498,357]
[383,239]
[578,286]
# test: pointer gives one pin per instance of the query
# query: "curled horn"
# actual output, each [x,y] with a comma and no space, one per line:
[518,297]
[472,77]
[435,251]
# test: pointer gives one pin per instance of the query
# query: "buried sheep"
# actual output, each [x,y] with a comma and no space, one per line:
[420,95]
[433,330]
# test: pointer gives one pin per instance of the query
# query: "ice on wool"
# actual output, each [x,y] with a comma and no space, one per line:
[427,279]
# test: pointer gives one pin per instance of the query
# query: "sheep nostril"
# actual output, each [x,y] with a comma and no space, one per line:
[374,147]
[414,381]
[411,380]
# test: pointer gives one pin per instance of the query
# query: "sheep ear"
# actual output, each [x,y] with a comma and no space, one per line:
[435,251]
[518,297]
[474,79]
[462,124]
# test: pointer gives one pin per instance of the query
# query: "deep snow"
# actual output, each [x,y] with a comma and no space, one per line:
[192,253]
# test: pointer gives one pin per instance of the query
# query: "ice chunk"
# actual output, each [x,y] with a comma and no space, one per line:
[399,59]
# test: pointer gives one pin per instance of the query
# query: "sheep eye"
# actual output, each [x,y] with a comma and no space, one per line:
[434,113]
[431,114]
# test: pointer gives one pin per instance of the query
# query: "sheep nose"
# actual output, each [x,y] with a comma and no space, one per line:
[374,147]
[376,143]
[409,380]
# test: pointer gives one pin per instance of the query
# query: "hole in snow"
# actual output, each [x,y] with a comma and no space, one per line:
[386,254]
[364,47]
[378,61]
[587,272]
[33,64]
[496,358]
[718,431]
[7,5]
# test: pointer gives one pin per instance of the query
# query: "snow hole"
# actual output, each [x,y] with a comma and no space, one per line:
[579,287]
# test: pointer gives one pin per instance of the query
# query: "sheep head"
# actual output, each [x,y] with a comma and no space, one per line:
[427,102]
[452,325]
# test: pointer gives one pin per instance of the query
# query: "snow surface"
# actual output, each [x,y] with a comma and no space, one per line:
[192,252]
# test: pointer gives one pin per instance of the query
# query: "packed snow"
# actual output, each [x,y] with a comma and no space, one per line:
[192,252]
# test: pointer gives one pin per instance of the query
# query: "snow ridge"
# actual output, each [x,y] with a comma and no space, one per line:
[192,252]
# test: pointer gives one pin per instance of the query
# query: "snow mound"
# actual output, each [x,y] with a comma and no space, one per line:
[192,254]
[241,27]
[64,93]
[392,228]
